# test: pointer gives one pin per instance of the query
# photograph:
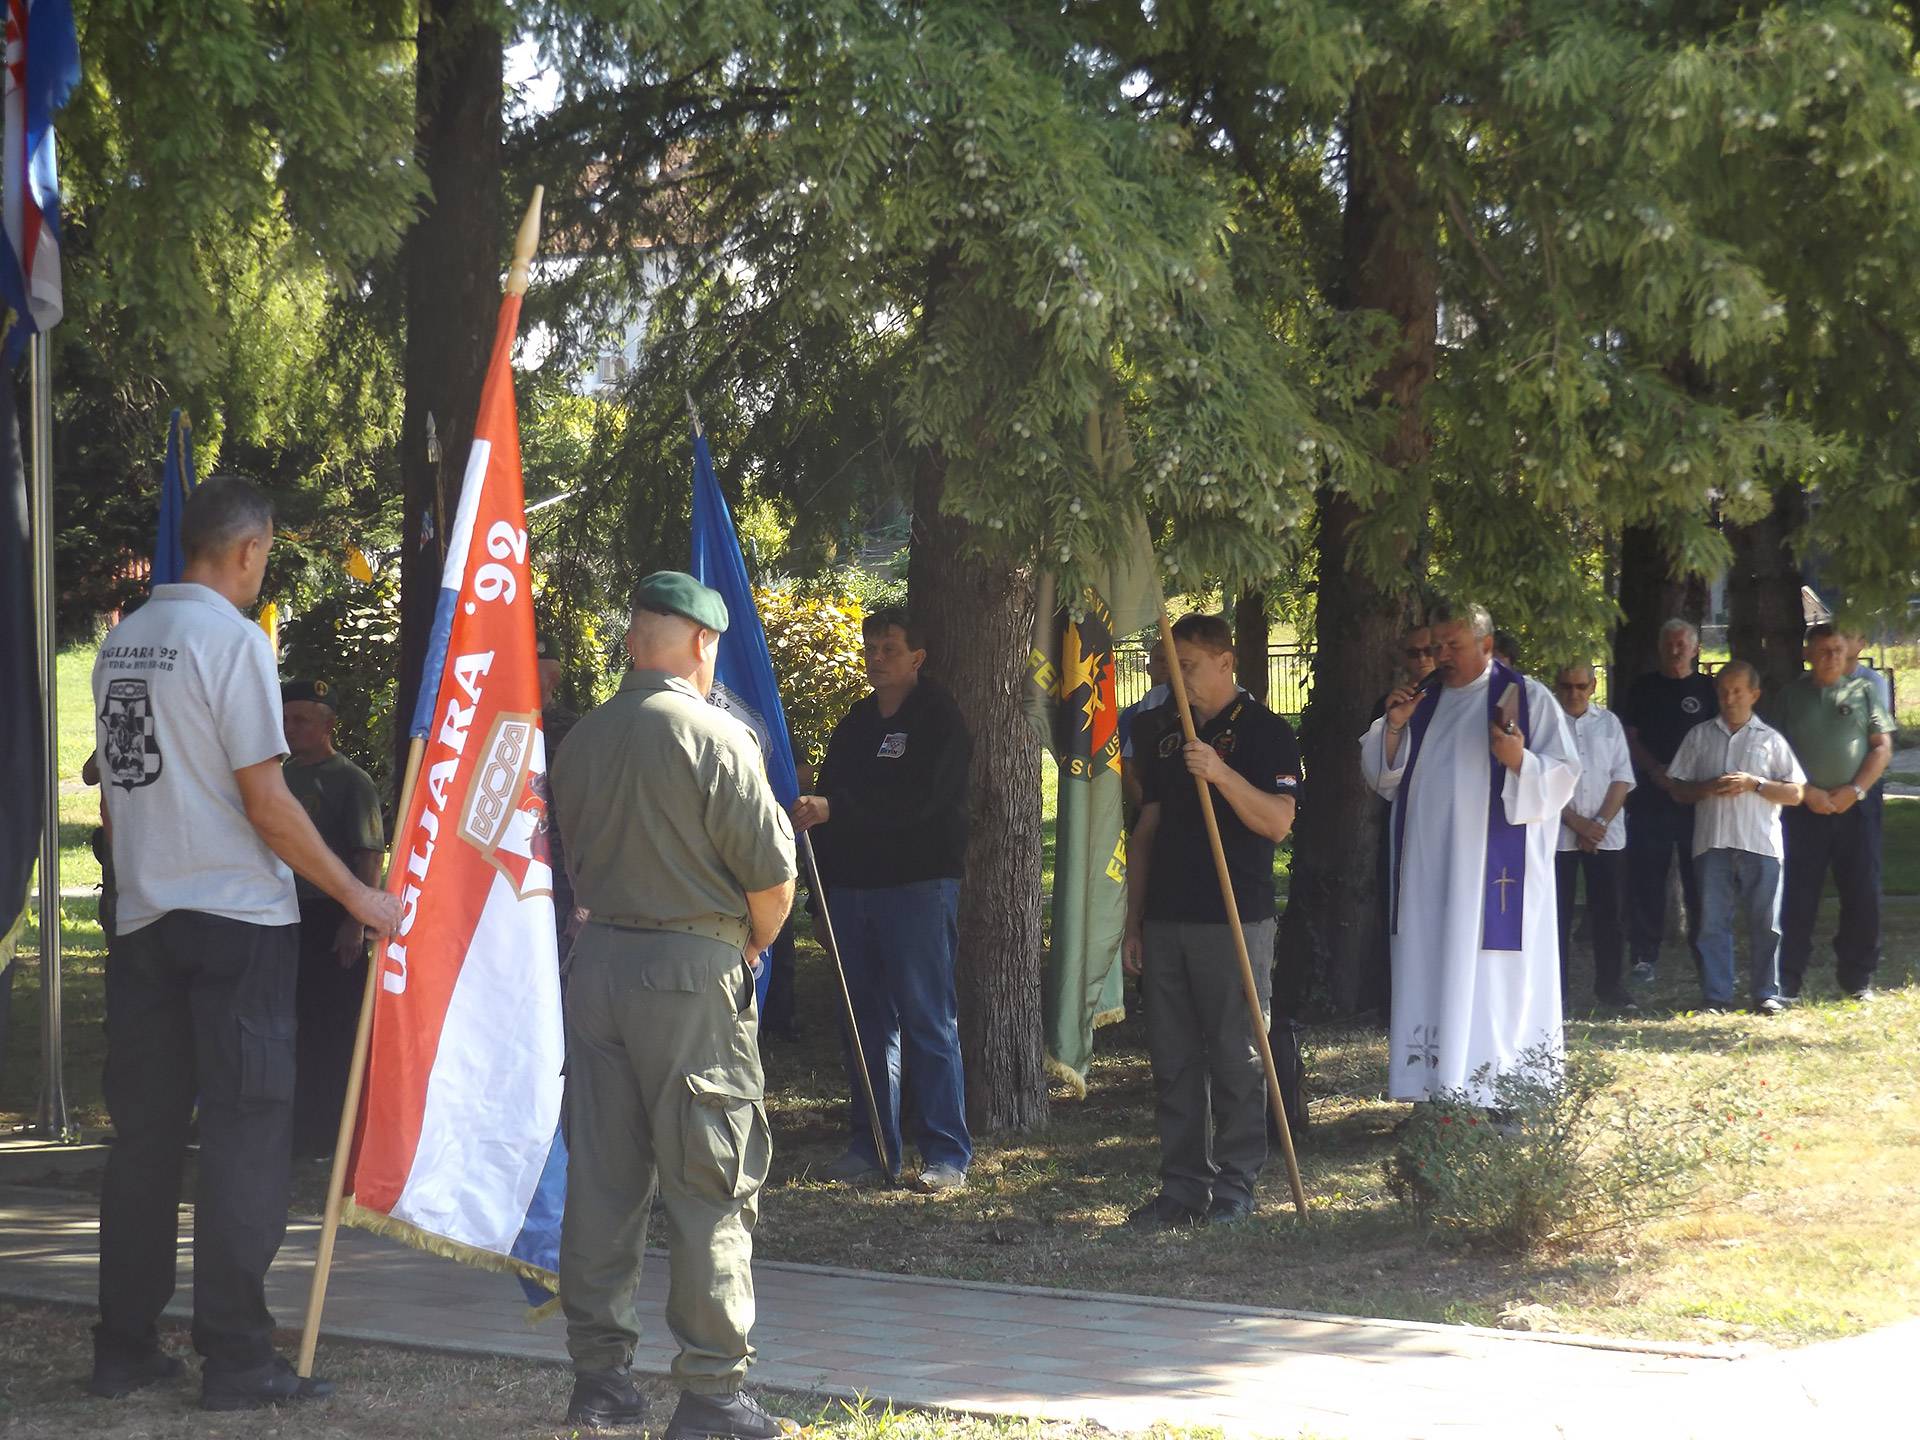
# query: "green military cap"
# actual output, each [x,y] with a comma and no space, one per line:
[318,691]
[674,592]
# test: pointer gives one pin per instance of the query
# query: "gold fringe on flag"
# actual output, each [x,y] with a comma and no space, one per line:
[354,1214]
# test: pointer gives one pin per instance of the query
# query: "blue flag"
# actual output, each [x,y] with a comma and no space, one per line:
[743,683]
[176,484]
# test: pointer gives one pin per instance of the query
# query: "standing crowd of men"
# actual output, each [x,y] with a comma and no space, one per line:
[1758,801]
[245,855]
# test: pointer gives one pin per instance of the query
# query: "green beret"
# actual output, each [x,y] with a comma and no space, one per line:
[673,592]
[317,691]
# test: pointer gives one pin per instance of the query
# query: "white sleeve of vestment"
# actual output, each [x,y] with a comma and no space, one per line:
[1550,769]
[1374,769]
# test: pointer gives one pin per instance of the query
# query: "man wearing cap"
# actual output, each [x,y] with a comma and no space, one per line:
[684,861]
[344,805]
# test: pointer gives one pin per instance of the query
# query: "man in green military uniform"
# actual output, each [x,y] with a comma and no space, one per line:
[1843,737]
[684,861]
[344,805]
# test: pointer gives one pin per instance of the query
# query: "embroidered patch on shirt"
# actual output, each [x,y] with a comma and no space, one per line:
[893,746]
[1286,784]
[1690,705]
[1223,743]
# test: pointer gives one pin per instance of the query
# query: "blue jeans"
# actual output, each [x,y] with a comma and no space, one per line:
[1738,882]
[897,944]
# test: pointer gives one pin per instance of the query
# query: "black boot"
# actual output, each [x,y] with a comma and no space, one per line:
[725,1417]
[117,1376]
[606,1397]
[271,1384]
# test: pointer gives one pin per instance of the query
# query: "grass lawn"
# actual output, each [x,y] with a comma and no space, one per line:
[1818,1244]
[388,1393]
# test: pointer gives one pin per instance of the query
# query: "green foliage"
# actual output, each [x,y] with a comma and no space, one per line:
[814,640]
[234,175]
[1562,1157]
[949,231]
[348,634]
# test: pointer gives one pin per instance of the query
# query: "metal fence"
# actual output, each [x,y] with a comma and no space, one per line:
[1289,672]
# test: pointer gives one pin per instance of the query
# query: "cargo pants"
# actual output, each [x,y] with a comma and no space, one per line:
[664,1090]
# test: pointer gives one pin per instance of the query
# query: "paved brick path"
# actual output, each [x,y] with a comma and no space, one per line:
[1124,1363]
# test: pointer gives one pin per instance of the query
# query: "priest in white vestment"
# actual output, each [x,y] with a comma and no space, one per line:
[1478,763]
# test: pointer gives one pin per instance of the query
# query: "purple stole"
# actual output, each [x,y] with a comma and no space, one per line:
[1503,905]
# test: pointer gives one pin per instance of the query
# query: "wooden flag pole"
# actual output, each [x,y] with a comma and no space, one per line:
[846,999]
[526,242]
[1259,1018]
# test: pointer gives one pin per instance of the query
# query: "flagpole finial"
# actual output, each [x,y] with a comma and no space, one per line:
[524,244]
[693,413]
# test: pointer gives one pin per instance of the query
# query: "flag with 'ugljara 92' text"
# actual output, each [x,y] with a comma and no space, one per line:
[458,1146]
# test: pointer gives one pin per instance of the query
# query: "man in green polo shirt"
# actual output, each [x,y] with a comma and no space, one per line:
[684,861]
[344,805]
[1843,736]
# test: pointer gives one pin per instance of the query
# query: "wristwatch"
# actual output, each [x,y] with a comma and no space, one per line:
[1858,793]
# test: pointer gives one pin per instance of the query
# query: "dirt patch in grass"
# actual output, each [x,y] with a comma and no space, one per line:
[385,1393]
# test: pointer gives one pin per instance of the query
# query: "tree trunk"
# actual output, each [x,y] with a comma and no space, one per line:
[1250,642]
[1650,595]
[1334,920]
[1765,622]
[979,624]
[452,265]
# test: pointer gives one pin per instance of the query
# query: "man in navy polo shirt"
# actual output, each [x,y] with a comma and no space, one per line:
[891,807]
[1663,706]
[1208,1080]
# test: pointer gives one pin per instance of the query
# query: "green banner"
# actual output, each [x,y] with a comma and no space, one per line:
[1071,699]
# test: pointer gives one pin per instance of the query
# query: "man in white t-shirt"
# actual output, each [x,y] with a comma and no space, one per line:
[1737,772]
[1593,834]
[202,961]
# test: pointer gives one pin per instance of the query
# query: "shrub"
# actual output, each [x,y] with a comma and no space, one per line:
[1562,1157]
[814,640]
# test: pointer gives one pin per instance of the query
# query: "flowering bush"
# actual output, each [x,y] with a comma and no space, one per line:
[814,640]
[1563,1157]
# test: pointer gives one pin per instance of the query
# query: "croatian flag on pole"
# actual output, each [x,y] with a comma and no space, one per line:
[743,683]
[43,65]
[458,1146]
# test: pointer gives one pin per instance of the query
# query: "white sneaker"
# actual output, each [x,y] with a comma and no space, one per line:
[936,1178]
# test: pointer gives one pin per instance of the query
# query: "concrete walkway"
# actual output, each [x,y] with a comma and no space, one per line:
[1121,1362]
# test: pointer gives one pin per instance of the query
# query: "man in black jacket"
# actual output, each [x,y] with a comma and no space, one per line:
[891,807]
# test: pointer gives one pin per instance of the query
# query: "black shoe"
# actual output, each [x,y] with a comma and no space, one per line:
[1768,1005]
[1227,1209]
[117,1376]
[1160,1213]
[271,1384]
[1616,1000]
[725,1417]
[1859,992]
[606,1397]
[1790,991]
